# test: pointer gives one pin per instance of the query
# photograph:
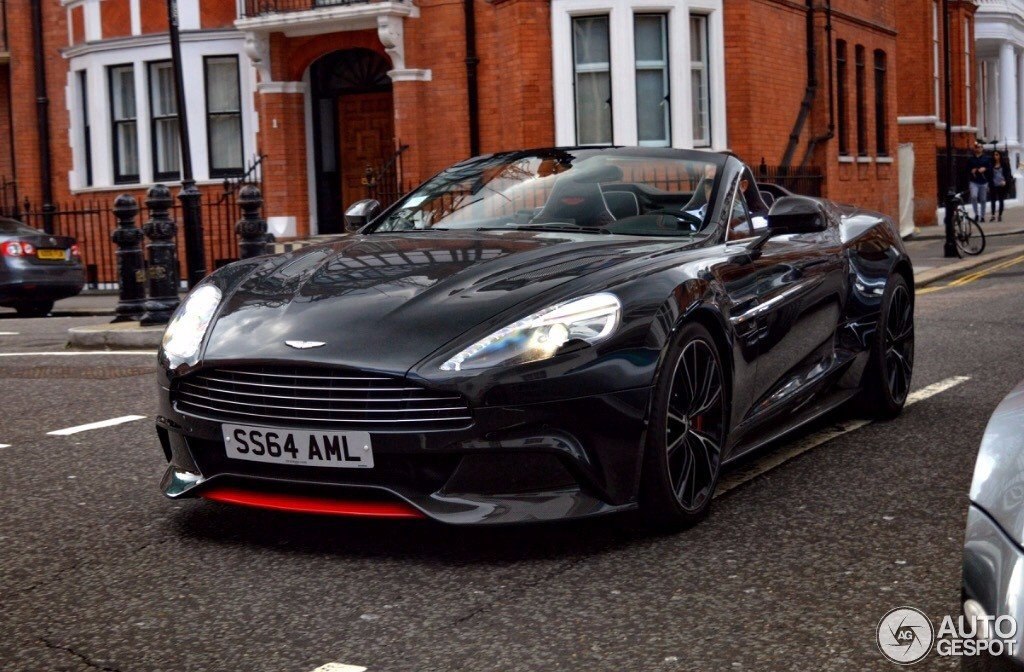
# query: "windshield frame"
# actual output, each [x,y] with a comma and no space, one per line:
[719,160]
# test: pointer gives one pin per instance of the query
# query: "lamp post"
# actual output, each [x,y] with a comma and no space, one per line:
[191,215]
[949,248]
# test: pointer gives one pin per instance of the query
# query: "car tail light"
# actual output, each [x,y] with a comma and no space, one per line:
[13,249]
[74,251]
[28,249]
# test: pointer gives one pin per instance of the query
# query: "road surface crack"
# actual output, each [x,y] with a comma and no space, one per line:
[77,654]
[519,590]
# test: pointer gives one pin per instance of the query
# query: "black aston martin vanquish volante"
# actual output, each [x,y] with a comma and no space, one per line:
[535,335]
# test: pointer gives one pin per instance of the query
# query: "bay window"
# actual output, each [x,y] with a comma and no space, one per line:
[638,72]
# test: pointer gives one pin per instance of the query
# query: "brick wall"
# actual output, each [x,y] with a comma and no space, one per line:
[6,154]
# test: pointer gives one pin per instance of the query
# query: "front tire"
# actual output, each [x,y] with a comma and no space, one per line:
[891,363]
[688,428]
[37,309]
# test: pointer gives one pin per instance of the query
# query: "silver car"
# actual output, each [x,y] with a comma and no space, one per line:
[36,268]
[993,580]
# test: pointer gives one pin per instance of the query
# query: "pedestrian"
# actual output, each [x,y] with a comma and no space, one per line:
[1001,176]
[979,170]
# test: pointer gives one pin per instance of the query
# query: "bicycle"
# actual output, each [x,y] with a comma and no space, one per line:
[969,236]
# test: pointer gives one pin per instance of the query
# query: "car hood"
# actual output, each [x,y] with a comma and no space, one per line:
[385,302]
[998,485]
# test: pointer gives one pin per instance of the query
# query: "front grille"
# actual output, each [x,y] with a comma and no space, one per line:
[317,397]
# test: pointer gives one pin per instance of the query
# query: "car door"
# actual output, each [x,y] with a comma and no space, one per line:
[800,284]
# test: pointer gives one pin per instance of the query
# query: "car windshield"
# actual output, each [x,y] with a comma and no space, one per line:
[600,191]
[11,227]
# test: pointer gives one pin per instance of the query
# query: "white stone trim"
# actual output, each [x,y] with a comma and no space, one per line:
[410,75]
[623,67]
[924,119]
[845,158]
[122,44]
[282,87]
[884,159]
[864,159]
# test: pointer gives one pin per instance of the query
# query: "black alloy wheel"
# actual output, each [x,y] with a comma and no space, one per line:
[687,432]
[891,365]
[899,344]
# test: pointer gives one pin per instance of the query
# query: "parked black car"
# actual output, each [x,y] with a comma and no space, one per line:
[36,268]
[536,335]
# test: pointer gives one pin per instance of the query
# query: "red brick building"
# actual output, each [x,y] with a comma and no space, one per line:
[324,89]
[922,98]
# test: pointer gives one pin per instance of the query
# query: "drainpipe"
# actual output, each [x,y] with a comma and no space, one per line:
[828,135]
[809,93]
[42,116]
[472,84]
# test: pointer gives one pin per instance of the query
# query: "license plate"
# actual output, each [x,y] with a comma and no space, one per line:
[54,255]
[346,450]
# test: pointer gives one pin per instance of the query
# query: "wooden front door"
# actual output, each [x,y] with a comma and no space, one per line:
[366,138]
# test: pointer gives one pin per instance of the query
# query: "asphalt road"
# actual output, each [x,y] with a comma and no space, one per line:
[793,569]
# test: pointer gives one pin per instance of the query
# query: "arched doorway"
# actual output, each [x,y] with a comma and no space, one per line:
[353,128]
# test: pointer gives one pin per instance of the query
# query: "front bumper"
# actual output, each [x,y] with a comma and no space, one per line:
[542,461]
[993,575]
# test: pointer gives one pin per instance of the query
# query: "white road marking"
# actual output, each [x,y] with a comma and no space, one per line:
[9,333]
[339,667]
[96,425]
[79,353]
[769,461]
[5,445]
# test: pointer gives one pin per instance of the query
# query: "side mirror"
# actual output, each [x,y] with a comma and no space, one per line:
[796,214]
[360,213]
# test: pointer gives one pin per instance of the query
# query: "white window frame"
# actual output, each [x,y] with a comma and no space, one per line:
[968,86]
[96,58]
[623,66]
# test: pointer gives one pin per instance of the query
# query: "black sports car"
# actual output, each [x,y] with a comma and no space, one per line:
[535,335]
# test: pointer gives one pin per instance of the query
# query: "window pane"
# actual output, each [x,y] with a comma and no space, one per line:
[161,83]
[127,149]
[700,96]
[593,113]
[122,83]
[590,40]
[697,38]
[650,106]
[222,85]
[649,37]
[168,151]
[226,142]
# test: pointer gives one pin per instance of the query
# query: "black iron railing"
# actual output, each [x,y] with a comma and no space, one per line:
[803,180]
[263,7]
[384,183]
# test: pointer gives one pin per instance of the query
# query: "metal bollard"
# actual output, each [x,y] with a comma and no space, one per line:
[131,265]
[162,270]
[251,228]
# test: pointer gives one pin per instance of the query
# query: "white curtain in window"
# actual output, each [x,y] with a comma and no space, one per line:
[700,96]
[651,50]
[127,149]
[224,119]
[593,80]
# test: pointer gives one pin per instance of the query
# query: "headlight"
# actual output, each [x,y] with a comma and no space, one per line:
[590,319]
[185,333]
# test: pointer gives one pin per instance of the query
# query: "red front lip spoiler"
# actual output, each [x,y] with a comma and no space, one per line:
[308,504]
